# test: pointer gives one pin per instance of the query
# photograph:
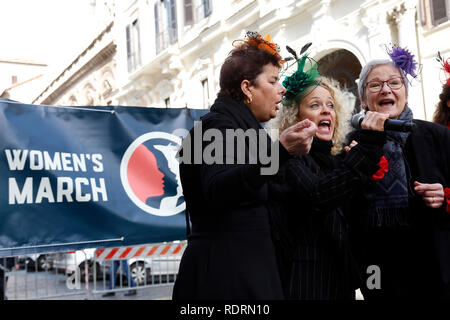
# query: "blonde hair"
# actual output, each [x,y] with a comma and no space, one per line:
[288,115]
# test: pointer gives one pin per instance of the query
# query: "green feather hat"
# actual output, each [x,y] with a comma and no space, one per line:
[302,81]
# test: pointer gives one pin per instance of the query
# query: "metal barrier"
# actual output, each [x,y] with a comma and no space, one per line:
[34,277]
[148,265]
[86,274]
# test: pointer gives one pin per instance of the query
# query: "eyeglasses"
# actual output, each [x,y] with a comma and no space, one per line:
[375,85]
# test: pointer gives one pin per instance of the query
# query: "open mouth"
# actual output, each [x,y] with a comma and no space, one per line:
[324,126]
[386,103]
[325,123]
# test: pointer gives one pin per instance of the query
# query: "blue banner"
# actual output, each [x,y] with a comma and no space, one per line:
[79,175]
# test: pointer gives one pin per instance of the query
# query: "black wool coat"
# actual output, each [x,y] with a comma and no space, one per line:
[230,252]
[310,219]
[419,250]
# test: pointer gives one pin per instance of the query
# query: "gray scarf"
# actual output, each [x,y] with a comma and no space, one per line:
[391,192]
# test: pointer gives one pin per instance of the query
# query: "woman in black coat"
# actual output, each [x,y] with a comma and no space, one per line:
[312,192]
[224,172]
[406,223]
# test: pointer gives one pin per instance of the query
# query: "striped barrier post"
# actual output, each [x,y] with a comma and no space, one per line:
[141,251]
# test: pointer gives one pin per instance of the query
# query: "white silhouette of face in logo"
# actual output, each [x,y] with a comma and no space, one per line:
[168,205]
[170,153]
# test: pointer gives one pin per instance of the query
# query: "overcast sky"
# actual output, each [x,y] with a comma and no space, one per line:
[48,31]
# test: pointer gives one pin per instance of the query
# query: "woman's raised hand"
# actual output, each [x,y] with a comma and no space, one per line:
[297,138]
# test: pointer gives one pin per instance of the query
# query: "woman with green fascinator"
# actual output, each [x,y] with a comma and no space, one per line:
[309,213]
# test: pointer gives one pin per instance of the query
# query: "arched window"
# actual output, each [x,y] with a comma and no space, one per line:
[345,67]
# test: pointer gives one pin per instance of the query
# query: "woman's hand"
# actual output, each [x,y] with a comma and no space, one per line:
[374,121]
[297,138]
[350,146]
[432,194]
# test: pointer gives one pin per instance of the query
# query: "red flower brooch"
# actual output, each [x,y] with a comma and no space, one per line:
[384,167]
[447,198]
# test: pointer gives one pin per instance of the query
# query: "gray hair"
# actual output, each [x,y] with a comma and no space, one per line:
[368,68]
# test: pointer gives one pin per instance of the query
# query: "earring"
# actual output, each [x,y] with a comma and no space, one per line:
[249,101]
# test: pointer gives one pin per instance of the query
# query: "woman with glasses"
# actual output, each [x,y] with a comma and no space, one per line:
[403,246]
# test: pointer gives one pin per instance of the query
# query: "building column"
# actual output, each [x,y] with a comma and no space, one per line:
[322,20]
[378,32]
[407,36]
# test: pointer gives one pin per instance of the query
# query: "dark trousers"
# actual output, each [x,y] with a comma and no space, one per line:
[115,267]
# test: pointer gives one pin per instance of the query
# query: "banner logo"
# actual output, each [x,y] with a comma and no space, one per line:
[150,174]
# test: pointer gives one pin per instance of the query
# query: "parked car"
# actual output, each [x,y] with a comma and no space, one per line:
[145,271]
[37,262]
[69,261]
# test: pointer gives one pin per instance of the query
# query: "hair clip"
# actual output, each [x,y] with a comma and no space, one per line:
[404,60]
[303,78]
[254,39]
[445,66]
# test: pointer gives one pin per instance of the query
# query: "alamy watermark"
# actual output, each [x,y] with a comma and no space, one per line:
[374,280]
[73,281]
[230,146]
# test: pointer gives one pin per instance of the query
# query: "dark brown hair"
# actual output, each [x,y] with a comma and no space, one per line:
[244,62]
[442,112]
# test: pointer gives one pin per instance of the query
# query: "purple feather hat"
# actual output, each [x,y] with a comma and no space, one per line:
[404,60]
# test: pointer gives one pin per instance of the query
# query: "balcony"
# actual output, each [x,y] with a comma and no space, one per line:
[165,38]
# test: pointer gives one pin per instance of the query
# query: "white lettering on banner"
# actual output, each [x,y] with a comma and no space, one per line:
[79,162]
[64,189]
[66,161]
[16,163]
[45,190]
[21,197]
[97,158]
[52,164]
[36,160]
[61,161]
[78,195]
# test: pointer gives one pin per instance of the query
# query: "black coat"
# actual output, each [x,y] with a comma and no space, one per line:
[230,253]
[310,222]
[414,257]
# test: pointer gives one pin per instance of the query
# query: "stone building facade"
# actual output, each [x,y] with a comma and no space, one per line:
[89,80]
[168,53]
